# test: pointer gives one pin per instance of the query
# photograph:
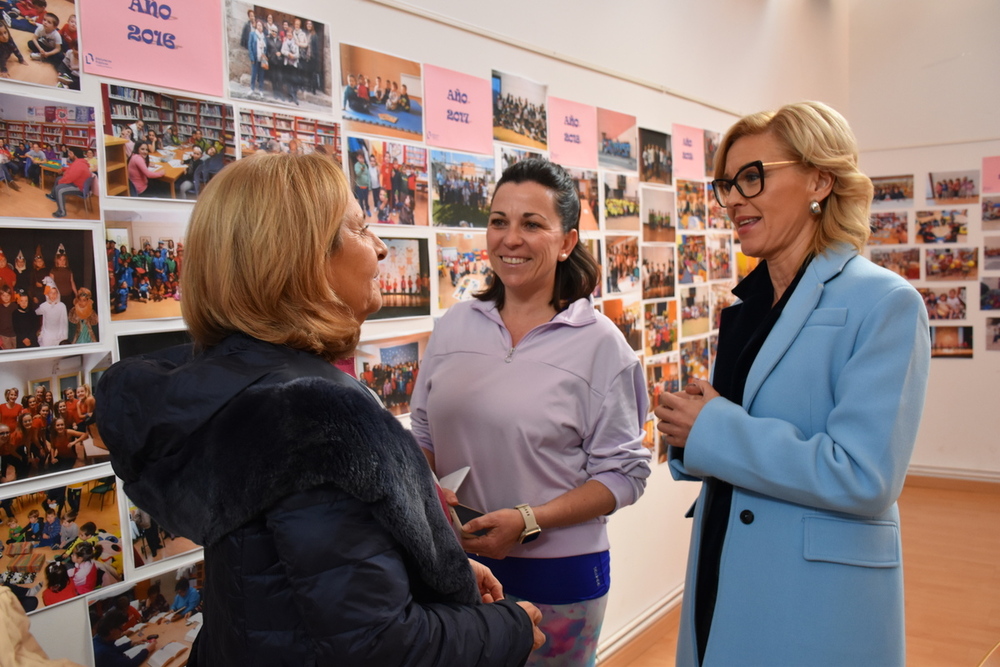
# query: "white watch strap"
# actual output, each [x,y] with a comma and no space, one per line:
[530,523]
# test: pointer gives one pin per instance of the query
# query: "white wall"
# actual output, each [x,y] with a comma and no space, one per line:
[885,64]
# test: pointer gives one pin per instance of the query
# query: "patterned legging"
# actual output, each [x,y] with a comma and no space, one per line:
[571,633]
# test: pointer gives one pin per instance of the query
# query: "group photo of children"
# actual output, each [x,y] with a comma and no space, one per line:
[404,279]
[621,202]
[953,187]
[39,42]
[389,367]
[47,421]
[144,271]
[153,622]
[48,161]
[892,191]
[661,328]
[389,181]
[381,94]
[520,114]
[905,263]
[622,264]
[658,271]
[617,140]
[692,259]
[463,267]
[944,303]
[951,264]
[889,228]
[943,226]
[61,542]
[462,188]
[47,279]
[690,205]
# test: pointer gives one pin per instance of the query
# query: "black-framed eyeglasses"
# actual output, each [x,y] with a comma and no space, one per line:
[749,180]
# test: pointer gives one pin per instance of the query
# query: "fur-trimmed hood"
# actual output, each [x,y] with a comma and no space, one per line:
[207,442]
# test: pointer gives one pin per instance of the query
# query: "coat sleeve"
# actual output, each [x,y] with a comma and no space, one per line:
[856,460]
[355,595]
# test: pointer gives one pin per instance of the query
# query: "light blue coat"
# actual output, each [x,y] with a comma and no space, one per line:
[811,571]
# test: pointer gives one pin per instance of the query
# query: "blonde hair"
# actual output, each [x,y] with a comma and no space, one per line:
[820,137]
[256,255]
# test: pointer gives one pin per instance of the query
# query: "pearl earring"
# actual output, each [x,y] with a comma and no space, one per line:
[562,256]
[815,208]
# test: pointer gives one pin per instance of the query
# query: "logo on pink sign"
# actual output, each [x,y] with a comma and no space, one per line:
[572,133]
[175,44]
[459,111]
[991,175]
[689,153]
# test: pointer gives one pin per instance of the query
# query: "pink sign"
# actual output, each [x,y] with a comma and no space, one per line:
[689,153]
[572,133]
[991,175]
[175,44]
[459,111]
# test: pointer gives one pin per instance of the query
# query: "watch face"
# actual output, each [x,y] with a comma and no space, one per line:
[531,537]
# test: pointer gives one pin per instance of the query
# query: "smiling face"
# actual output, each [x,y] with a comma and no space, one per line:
[775,225]
[525,239]
[353,268]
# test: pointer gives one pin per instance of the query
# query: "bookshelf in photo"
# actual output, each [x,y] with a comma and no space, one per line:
[124,106]
[259,128]
[79,135]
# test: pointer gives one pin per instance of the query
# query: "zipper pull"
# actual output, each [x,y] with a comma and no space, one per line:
[510,355]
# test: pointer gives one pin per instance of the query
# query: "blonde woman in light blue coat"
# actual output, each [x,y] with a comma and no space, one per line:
[803,437]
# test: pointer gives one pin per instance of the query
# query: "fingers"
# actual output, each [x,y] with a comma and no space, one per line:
[536,617]
[450,496]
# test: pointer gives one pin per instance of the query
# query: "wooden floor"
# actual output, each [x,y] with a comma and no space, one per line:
[951,563]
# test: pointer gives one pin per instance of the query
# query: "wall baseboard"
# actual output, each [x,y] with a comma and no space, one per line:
[639,624]
[918,472]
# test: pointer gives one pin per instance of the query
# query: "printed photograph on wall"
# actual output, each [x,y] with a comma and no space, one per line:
[48,163]
[62,542]
[991,253]
[690,204]
[657,214]
[694,360]
[40,43]
[904,262]
[404,278]
[626,313]
[462,188]
[161,145]
[507,156]
[586,188]
[992,334]
[892,191]
[989,294]
[717,217]
[661,327]
[694,310]
[463,266]
[622,264]
[144,274]
[593,245]
[389,367]
[951,342]
[151,542]
[944,303]
[658,271]
[712,140]
[617,140]
[953,187]
[720,297]
[944,226]
[47,283]
[991,214]
[719,248]
[46,418]
[692,261]
[380,94]
[277,57]
[621,202]
[389,180]
[889,228]
[163,616]
[951,264]
[270,132]
[519,111]
[656,162]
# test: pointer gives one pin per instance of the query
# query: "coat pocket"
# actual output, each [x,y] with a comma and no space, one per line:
[851,542]
[827,317]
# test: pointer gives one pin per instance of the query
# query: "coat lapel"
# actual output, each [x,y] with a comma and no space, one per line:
[800,306]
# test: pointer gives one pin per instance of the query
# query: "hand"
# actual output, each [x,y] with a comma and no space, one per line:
[678,412]
[536,618]
[503,528]
[449,496]
[151,644]
[489,586]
